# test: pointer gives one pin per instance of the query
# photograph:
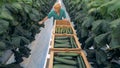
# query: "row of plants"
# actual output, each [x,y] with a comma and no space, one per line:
[97,23]
[19,25]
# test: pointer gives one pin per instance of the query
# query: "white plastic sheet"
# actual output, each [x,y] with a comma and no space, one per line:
[39,47]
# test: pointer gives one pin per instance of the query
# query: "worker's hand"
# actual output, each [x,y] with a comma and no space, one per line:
[66,20]
[41,22]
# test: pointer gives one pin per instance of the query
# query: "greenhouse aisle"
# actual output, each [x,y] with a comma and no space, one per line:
[88,38]
[40,47]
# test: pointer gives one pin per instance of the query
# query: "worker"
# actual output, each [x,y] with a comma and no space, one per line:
[57,13]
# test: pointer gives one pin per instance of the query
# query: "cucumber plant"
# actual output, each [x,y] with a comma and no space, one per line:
[97,23]
[19,25]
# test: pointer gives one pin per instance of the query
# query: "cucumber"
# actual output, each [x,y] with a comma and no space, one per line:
[61,30]
[66,30]
[64,40]
[62,46]
[82,62]
[74,44]
[58,29]
[61,38]
[65,61]
[63,66]
[71,41]
[66,57]
[70,30]
[67,54]
[79,62]
[55,62]
[61,42]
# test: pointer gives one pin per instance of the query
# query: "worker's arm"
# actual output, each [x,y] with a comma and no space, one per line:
[41,22]
[49,16]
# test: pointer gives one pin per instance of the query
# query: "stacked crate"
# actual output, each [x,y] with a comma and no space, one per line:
[65,48]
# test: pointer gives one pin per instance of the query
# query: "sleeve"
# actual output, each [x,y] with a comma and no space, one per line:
[64,15]
[50,14]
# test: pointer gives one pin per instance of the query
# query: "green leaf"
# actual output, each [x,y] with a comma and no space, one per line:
[27,8]
[17,6]
[95,3]
[25,40]
[2,46]
[101,56]
[22,32]
[87,22]
[101,39]
[89,42]
[34,16]
[16,41]
[84,33]
[14,23]
[115,27]
[6,15]
[114,6]
[96,27]
[3,26]
[114,43]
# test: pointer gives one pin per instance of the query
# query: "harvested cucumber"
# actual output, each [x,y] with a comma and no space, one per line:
[82,62]
[65,61]
[67,54]
[61,42]
[74,44]
[70,30]
[62,46]
[62,30]
[71,41]
[61,38]
[64,57]
[64,66]
[79,62]
[55,62]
